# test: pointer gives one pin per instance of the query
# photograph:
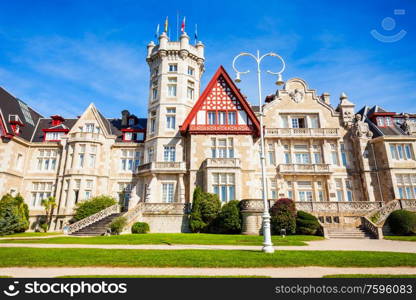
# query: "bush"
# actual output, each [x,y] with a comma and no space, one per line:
[402,222]
[117,225]
[92,206]
[14,214]
[140,227]
[283,216]
[229,219]
[205,209]
[306,224]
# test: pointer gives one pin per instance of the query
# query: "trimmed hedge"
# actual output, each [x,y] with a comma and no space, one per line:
[92,206]
[307,224]
[140,227]
[283,216]
[402,222]
[117,225]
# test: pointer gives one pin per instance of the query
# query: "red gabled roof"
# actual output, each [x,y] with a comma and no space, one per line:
[245,105]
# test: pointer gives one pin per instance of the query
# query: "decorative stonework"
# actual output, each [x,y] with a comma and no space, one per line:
[360,128]
[408,127]
[296,96]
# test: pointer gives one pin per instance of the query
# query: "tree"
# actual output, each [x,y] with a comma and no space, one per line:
[49,204]
[283,216]
[229,220]
[205,209]
[14,214]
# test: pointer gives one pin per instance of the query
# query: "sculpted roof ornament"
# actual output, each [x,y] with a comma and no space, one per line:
[408,127]
[360,129]
[296,96]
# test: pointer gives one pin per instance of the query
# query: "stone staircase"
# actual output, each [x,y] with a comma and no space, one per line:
[350,232]
[97,228]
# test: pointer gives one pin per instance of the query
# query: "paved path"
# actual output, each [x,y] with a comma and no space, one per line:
[334,244]
[301,272]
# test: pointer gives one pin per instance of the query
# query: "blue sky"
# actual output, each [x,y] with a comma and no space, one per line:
[59,56]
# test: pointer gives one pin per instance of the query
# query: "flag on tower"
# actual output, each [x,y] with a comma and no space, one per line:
[166,25]
[183,25]
[157,31]
[196,32]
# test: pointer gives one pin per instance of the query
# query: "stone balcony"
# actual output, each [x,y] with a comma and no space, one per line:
[222,163]
[86,137]
[302,132]
[322,169]
[162,167]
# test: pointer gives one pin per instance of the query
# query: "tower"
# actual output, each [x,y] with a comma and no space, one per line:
[176,68]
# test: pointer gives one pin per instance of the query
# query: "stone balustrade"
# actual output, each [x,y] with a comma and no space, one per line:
[222,163]
[85,137]
[304,168]
[162,167]
[114,209]
[301,132]
[166,208]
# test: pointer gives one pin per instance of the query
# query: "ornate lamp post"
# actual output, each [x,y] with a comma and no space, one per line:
[267,243]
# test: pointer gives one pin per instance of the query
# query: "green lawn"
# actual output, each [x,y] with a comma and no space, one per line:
[369,276]
[156,276]
[42,257]
[30,234]
[174,238]
[410,238]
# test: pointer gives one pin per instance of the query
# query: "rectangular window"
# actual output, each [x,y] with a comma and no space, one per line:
[172,87]
[169,153]
[380,121]
[173,67]
[339,190]
[191,71]
[334,154]
[19,161]
[89,127]
[388,121]
[298,122]
[343,155]
[40,191]
[224,186]
[190,90]
[212,118]
[81,160]
[129,160]
[406,184]
[167,192]
[222,148]
[272,154]
[232,120]
[401,151]
[53,136]
[221,118]
[150,154]
[170,118]
[46,160]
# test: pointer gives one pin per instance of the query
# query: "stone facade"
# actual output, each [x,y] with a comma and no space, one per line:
[333,162]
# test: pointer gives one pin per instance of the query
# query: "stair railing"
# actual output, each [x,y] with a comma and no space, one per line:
[378,216]
[134,213]
[376,231]
[114,209]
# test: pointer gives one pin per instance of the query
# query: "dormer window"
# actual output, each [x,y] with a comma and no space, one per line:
[54,136]
[131,122]
[388,122]
[380,121]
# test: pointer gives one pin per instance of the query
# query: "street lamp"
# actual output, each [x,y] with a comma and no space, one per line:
[267,243]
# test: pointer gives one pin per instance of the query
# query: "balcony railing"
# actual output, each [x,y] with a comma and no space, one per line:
[301,132]
[86,137]
[222,163]
[360,207]
[304,168]
[162,167]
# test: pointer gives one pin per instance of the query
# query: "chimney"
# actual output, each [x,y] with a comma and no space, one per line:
[326,98]
[124,117]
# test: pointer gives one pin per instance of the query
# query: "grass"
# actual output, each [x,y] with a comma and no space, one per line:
[409,238]
[156,276]
[54,257]
[174,238]
[30,234]
[5,276]
[369,276]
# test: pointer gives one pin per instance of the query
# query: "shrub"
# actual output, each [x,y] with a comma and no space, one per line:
[306,224]
[283,216]
[14,214]
[92,206]
[140,227]
[205,209]
[118,224]
[229,219]
[402,222]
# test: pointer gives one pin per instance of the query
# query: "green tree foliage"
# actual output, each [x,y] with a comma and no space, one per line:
[14,214]
[283,216]
[229,219]
[205,209]
[306,224]
[402,222]
[49,204]
[92,206]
